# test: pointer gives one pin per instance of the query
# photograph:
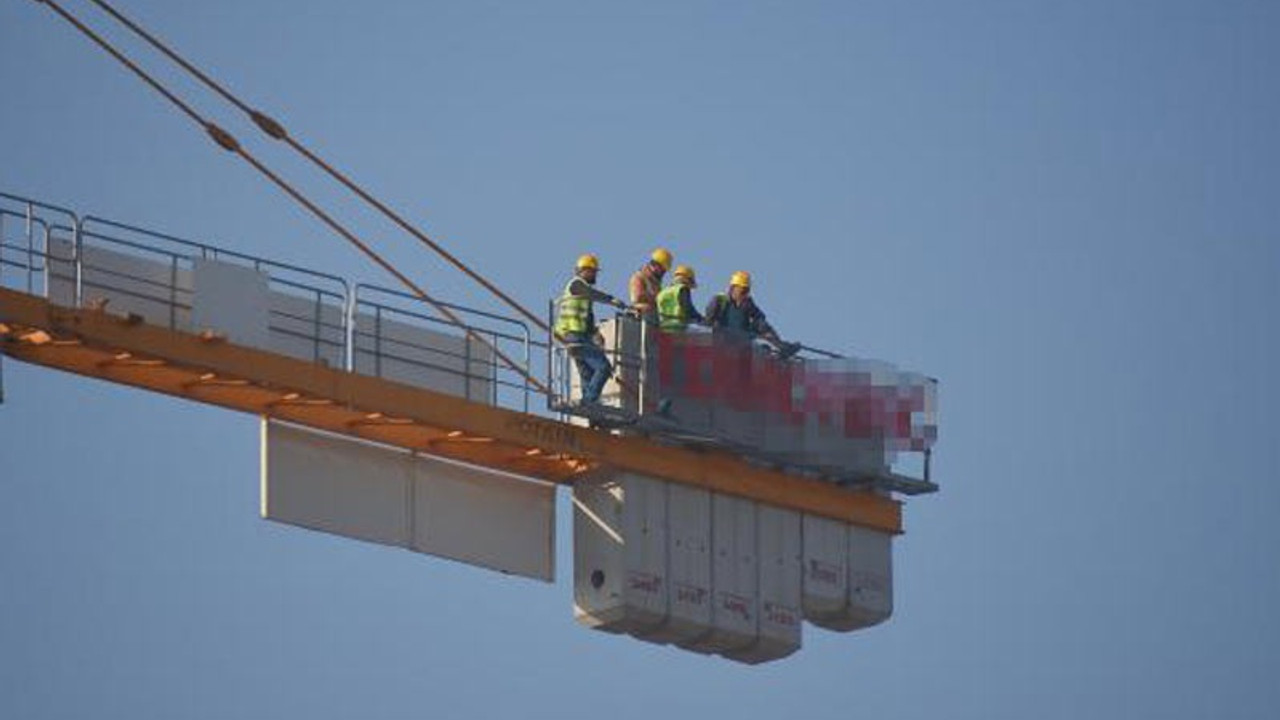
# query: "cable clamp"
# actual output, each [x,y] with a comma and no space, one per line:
[222,137]
[268,125]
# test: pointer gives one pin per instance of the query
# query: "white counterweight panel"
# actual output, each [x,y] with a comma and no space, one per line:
[620,554]
[826,560]
[778,552]
[870,572]
[734,577]
[688,565]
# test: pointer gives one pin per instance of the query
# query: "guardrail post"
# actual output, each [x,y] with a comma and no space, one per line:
[315,324]
[349,332]
[173,292]
[528,360]
[30,248]
[377,341]
[77,251]
[643,376]
[493,396]
[2,251]
[44,261]
[466,365]
[552,388]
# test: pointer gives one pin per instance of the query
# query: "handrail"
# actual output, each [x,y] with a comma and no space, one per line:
[451,306]
[820,351]
[189,251]
[30,251]
[208,251]
[31,204]
[447,323]
[38,203]
[361,299]
[329,335]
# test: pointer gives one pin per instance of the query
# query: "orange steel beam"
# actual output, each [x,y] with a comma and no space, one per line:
[92,343]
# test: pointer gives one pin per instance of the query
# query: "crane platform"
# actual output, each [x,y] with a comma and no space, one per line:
[205,368]
[145,309]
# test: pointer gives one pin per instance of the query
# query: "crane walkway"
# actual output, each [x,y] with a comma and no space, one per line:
[51,315]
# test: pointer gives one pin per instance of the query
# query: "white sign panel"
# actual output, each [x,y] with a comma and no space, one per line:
[484,518]
[121,284]
[336,486]
[232,299]
[383,495]
[416,355]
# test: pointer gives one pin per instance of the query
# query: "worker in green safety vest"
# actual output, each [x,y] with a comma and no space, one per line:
[675,312]
[675,302]
[576,326]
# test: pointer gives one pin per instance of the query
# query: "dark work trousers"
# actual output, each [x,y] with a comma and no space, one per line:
[594,368]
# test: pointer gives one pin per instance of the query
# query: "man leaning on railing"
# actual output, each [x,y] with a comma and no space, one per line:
[736,312]
[575,327]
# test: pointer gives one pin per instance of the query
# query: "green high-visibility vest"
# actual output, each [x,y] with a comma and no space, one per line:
[573,313]
[671,313]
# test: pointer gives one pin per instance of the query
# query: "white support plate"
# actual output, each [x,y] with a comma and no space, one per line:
[231,299]
[377,494]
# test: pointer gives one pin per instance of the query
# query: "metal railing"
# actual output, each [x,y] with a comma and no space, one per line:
[638,363]
[24,255]
[180,255]
[86,260]
[641,404]
[77,260]
[484,333]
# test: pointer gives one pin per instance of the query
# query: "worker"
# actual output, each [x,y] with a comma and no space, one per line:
[675,302]
[735,311]
[646,283]
[675,312]
[576,327]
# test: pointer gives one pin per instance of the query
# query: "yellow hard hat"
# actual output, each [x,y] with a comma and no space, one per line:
[588,261]
[662,256]
[684,271]
[740,279]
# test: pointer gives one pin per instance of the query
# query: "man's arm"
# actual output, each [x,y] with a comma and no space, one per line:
[713,311]
[686,303]
[581,288]
[761,327]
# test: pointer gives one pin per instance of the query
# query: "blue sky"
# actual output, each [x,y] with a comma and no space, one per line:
[1067,212]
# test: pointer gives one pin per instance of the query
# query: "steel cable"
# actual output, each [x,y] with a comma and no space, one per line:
[275,130]
[228,142]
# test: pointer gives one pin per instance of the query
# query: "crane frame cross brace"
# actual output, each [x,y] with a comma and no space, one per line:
[207,369]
